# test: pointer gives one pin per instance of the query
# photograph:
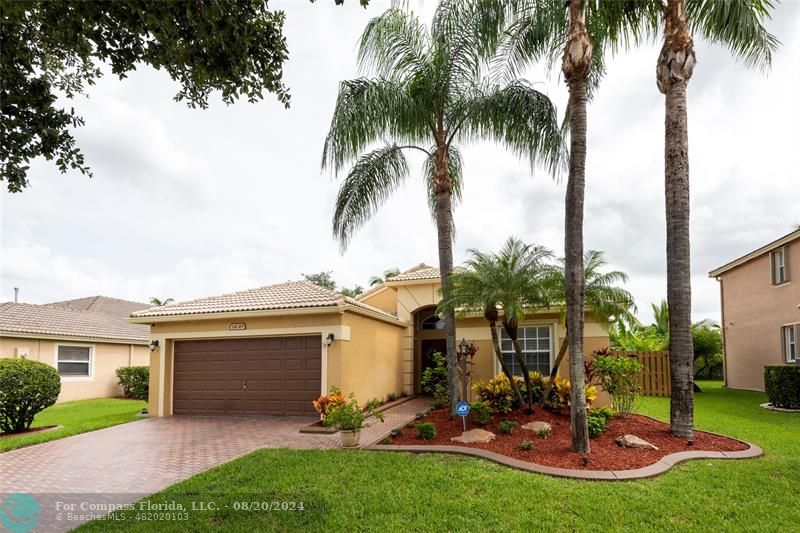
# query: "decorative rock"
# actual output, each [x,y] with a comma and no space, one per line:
[632,441]
[537,426]
[474,435]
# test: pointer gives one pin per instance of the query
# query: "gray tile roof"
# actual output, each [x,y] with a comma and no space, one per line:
[289,295]
[102,304]
[16,318]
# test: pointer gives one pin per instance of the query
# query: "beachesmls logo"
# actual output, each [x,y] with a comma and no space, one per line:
[19,513]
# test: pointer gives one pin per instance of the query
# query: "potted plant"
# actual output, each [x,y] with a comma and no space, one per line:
[350,419]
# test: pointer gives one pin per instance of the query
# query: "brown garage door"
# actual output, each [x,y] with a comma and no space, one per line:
[263,376]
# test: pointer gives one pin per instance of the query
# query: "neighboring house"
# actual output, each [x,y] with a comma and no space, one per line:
[272,350]
[760,301]
[85,339]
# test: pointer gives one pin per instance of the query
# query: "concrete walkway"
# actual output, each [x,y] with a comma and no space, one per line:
[125,463]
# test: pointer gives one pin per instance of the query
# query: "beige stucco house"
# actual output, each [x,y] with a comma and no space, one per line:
[86,340]
[272,350]
[760,301]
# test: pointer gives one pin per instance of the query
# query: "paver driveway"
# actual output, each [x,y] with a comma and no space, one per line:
[124,463]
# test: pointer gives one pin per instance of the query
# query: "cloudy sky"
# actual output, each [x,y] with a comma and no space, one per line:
[188,203]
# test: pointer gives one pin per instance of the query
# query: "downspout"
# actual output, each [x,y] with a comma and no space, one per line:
[722,332]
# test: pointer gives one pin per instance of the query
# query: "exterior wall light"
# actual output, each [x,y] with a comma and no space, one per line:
[329,339]
[153,345]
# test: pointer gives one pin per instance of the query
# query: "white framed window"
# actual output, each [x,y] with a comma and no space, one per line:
[779,268]
[74,361]
[789,340]
[536,342]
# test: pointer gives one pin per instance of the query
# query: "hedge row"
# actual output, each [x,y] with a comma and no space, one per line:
[782,384]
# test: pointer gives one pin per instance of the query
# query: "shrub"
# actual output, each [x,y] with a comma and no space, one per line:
[135,381]
[526,445]
[497,393]
[26,387]
[538,381]
[434,381]
[544,433]
[348,416]
[426,430]
[391,397]
[619,376]
[326,403]
[507,426]
[482,412]
[559,394]
[782,384]
[605,412]
[597,422]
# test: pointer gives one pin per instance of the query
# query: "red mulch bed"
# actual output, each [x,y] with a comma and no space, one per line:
[26,431]
[555,450]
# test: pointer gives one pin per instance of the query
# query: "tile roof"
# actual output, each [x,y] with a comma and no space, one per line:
[102,304]
[421,271]
[58,321]
[289,295]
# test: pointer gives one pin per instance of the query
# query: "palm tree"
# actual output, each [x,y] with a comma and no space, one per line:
[540,29]
[738,25]
[427,95]
[158,302]
[514,280]
[608,302]
[387,275]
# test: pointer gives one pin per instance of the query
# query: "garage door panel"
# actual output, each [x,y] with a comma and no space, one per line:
[282,376]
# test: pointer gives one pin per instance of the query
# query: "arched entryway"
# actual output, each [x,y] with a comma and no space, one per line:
[429,337]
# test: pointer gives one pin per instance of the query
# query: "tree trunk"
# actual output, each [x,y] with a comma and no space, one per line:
[512,330]
[444,227]
[674,69]
[562,351]
[576,63]
[499,354]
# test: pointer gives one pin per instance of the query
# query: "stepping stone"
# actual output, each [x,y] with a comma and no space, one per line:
[537,426]
[474,435]
[632,441]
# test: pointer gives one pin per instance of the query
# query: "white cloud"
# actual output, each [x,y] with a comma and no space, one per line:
[187,203]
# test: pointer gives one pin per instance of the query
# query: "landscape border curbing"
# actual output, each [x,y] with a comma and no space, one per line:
[659,467]
[655,469]
[769,407]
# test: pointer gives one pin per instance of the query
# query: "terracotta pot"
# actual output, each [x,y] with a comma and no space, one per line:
[350,439]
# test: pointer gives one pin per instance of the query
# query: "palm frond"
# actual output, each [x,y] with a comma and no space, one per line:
[394,45]
[737,25]
[373,178]
[367,111]
[521,118]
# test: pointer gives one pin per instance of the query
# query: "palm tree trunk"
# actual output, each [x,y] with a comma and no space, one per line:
[512,330]
[444,228]
[499,354]
[576,64]
[674,69]
[562,351]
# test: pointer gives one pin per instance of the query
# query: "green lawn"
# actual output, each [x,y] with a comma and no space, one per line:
[348,490]
[76,417]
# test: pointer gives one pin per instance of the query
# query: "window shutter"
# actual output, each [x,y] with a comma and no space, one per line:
[772,267]
[786,276]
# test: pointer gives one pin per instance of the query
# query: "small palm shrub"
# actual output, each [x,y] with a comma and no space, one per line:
[497,392]
[544,433]
[619,376]
[434,381]
[26,388]
[482,412]
[135,381]
[426,431]
[507,426]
